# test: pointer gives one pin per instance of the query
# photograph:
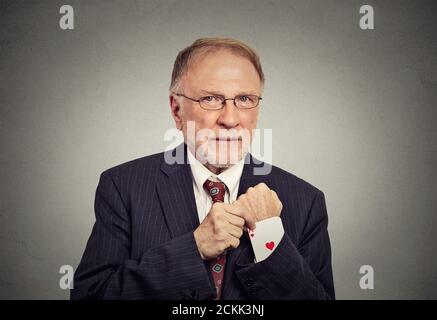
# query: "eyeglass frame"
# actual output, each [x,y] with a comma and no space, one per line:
[223,102]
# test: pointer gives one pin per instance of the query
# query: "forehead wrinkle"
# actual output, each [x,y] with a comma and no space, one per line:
[238,93]
[227,79]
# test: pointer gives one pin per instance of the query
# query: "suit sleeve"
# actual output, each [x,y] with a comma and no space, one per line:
[291,272]
[172,270]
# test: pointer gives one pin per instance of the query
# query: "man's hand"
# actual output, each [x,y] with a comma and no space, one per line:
[260,202]
[221,229]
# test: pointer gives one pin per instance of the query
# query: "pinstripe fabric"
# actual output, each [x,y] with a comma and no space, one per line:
[142,244]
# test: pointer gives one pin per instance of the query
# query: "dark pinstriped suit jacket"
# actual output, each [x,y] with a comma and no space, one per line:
[142,244]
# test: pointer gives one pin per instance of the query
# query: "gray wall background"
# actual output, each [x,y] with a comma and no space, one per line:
[353,112]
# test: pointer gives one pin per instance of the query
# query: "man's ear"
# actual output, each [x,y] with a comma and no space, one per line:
[176,111]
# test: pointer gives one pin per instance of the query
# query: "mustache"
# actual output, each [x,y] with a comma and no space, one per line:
[227,136]
[223,135]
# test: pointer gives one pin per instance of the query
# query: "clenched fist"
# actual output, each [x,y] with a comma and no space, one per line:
[260,203]
[221,229]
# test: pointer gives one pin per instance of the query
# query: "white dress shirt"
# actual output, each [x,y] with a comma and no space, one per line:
[230,177]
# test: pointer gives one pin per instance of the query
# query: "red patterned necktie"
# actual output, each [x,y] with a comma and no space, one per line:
[217,265]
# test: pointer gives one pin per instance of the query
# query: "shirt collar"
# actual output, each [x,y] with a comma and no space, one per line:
[230,177]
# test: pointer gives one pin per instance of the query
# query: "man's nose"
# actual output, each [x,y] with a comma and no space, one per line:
[229,115]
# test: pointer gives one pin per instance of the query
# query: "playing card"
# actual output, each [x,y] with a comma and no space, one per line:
[266,237]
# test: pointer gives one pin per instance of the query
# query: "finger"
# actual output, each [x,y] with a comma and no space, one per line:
[241,212]
[275,195]
[262,186]
[235,209]
[276,198]
[234,231]
[234,219]
[233,242]
[240,198]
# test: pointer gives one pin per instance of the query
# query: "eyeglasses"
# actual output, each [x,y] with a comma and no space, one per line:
[217,102]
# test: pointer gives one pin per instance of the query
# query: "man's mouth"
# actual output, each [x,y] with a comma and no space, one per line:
[228,139]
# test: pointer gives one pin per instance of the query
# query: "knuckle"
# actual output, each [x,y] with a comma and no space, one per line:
[236,243]
[216,206]
[217,229]
[231,242]
[240,233]
[216,215]
[261,186]
[225,244]
[213,211]
[241,222]
[221,234]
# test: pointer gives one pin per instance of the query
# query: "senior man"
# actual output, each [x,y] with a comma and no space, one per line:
[210,226]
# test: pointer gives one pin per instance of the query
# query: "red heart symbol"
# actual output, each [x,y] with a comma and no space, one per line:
[270,245]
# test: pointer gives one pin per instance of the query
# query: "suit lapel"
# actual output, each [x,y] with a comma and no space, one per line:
[175,192]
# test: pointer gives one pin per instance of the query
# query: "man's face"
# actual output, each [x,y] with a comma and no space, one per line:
[225,74]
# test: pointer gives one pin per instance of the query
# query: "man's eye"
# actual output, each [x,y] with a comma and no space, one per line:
[209,99]
[244,99]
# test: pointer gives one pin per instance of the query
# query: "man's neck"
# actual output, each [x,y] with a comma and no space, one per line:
[213,169]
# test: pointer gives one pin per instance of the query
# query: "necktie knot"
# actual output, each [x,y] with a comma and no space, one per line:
[216,190]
